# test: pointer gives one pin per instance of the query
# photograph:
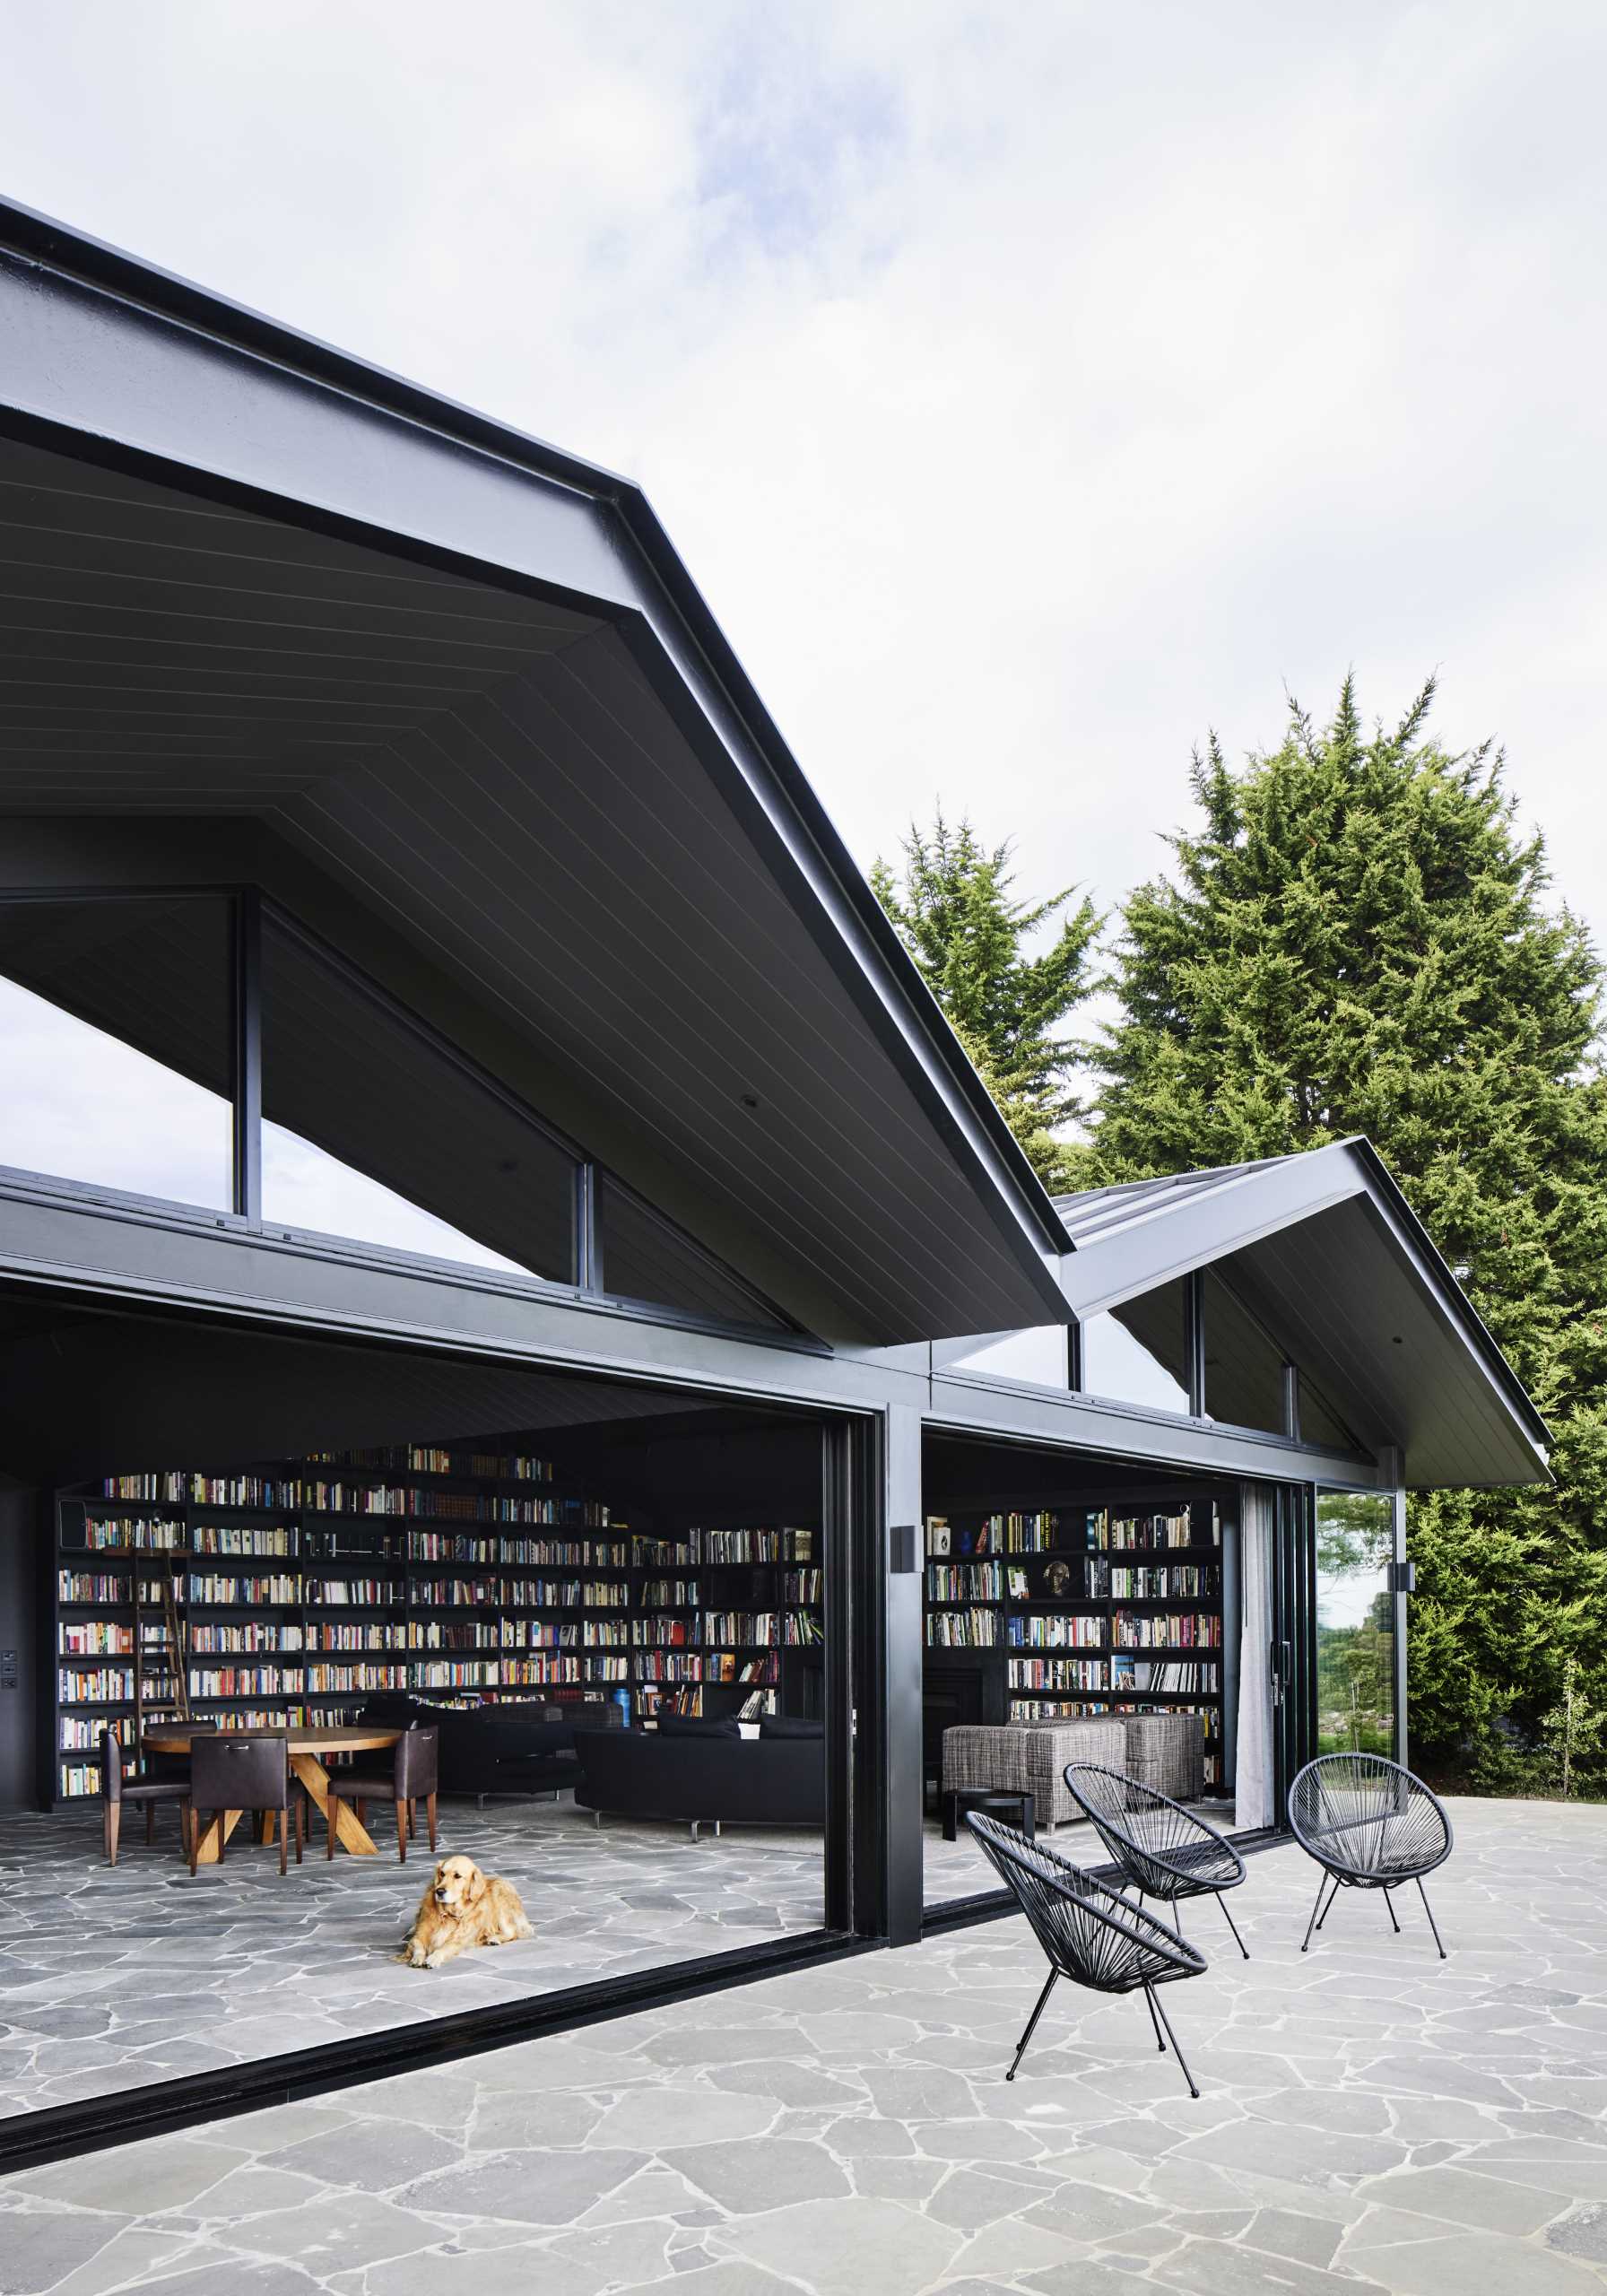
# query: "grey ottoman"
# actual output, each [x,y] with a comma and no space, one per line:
[1028,1757]
[1166,1754]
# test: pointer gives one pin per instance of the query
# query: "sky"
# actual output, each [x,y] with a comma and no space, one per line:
[1030,389]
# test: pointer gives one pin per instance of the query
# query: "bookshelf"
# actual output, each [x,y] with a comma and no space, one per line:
[1083,1609]
[299,1592]
[722,1616]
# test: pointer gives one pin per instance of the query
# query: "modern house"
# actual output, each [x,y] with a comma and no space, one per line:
[490,1214]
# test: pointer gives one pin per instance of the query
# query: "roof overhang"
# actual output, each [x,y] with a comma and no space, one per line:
[1326,1249]
[463,687]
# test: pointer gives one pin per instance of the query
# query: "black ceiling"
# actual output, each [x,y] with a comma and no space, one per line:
[499,781]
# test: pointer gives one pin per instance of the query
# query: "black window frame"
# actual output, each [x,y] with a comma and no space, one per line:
[248,905]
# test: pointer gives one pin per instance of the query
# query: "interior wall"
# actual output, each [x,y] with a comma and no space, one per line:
[20,1655]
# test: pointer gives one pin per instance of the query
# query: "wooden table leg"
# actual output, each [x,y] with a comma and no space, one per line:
[216,1830]
[349,1833]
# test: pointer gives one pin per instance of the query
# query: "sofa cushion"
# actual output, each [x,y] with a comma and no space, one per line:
[693,1726]
[789,1725]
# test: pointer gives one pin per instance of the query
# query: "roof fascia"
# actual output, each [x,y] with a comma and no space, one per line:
[1170,1235]
[577,556]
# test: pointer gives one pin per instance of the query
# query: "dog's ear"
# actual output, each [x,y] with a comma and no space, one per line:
[478,1885]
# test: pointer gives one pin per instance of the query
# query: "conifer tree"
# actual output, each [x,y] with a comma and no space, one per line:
[955,914]
[1357,938]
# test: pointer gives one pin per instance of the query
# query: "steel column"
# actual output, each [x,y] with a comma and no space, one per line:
[247,1094]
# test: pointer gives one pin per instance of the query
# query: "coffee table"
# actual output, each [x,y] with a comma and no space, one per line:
[306,1746]
[1012,1809]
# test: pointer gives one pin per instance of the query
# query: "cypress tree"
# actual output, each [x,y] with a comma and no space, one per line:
[955,913]
[1357,937]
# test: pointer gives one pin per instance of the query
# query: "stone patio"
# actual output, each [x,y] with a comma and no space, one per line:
[111,1979]
[1372,2118]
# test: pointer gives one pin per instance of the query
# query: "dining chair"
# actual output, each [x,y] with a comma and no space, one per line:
[245,1770]
[1370,1825]
[1088,1931]
[410,1779]
[1162,1850]
[144,1791]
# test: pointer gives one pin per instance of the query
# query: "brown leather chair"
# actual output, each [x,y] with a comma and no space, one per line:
[410,1779]
[144,1792]
[242,1770]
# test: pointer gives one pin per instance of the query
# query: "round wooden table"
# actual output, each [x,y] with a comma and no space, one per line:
[305,1745]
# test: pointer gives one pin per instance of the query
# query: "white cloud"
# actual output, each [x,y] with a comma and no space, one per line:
[1027,389]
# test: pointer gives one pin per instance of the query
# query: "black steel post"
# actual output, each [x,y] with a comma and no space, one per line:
[587,1253]
[247,1054]
[1194,1341]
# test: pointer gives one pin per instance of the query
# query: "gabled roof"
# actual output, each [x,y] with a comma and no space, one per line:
[1324,1249]
[485,735]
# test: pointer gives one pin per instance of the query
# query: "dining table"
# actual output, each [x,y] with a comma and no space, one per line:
[307,1747]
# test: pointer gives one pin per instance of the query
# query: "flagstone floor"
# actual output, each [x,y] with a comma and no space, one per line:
[1372,2118]
[115,1978]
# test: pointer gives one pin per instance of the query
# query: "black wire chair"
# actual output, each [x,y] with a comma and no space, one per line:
[1370,1825]
[1090,1932]
[1163,1850]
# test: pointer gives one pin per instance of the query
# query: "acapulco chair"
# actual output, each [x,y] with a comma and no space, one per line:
[1163,1850]
[1090,1932]
[1370,1825]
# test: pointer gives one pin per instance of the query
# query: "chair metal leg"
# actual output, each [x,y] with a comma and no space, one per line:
[1433,1924]
[1158,2012]
[1232,1924]
[1328,1908]
[1391,1911]
[1049,1983]
[1316,1908]
[1154,2020]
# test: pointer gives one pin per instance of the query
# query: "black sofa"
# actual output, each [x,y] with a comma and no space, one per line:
[520,1747]
[704,1779]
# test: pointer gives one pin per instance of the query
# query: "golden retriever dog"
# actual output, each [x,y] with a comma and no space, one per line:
[462,1908]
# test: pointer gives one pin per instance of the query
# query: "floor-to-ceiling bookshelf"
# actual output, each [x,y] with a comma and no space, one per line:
[299,1591]
[1083,1610]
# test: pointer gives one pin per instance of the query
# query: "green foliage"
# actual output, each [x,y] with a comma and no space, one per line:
[953,909]
[1571,1732]
[1357,938]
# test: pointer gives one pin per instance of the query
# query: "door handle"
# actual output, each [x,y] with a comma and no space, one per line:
[1282,1656]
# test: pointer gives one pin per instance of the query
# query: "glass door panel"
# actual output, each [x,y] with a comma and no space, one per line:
[1355,1623]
